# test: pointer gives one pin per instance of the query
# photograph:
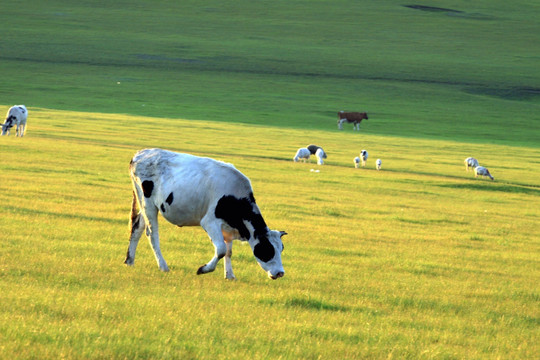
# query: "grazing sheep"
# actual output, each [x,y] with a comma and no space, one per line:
[378,164]
[320,154]
[356,161]
[313,148]
[470,162]
[364,156]
[16,115]
[482,171]
[302,153]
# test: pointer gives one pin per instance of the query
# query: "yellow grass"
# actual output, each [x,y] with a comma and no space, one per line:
[418,260]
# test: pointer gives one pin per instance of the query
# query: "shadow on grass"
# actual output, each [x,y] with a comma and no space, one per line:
[307,304]
[507,188]
[33,212]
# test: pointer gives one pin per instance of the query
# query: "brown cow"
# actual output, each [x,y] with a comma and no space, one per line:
[351,117]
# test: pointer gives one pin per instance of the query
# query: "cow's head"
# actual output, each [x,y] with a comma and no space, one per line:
[267,250]
[7,125]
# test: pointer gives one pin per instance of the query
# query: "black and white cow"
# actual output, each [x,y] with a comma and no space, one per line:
[16,115]
[192,191]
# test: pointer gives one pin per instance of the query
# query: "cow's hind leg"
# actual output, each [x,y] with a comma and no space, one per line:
[152,233]
[136,225]
[213,229]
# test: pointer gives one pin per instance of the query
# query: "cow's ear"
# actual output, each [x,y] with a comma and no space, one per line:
[281,233]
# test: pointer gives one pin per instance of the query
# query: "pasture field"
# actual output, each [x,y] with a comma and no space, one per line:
[418,260]
[469,75]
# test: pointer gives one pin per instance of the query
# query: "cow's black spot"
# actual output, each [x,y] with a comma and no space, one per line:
[170,199]
[264,250]
[234,211]
[147,188]
[162,208]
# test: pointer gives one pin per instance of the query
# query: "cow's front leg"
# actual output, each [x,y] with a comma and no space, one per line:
[229,275]
[213,229]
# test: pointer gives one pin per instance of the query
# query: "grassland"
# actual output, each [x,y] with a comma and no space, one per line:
[419,260]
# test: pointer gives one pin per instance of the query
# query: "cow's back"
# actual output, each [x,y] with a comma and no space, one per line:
[19,112]
[186,187]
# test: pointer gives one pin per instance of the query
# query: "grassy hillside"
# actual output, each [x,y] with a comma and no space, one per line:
[466,74]
[418,260]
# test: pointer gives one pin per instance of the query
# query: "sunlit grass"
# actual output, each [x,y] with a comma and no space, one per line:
[418,260]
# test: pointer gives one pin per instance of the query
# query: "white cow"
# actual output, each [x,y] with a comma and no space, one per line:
[378,164]
[16,115]
[302,153]
[191,191]
[470,162]
[364,156]
[482,171]
[356,162]
[320,154]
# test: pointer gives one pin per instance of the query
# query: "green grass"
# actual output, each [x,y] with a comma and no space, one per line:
[418,260]
[408,262]
[471,76]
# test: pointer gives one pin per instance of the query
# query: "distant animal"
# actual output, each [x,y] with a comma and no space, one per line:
[356,162]
[302,153]
[482,171]
[190,191]
[16,115]
[320,154]
[364,156]
[351,117]
[313,149]
[470,162]
[378,164]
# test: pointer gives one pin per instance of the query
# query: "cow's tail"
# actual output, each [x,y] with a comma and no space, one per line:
[134,215]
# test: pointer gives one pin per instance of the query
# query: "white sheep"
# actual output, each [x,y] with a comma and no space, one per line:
[364,156]
[356,162]
[378,164]
[470,162]
[320,154]
[482,171]
[302,153]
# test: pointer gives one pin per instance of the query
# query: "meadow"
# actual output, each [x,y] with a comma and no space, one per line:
[419,260]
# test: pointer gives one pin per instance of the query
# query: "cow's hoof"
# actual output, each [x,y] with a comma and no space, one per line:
[200,271]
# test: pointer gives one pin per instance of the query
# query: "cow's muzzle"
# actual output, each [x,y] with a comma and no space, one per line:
[277,276]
